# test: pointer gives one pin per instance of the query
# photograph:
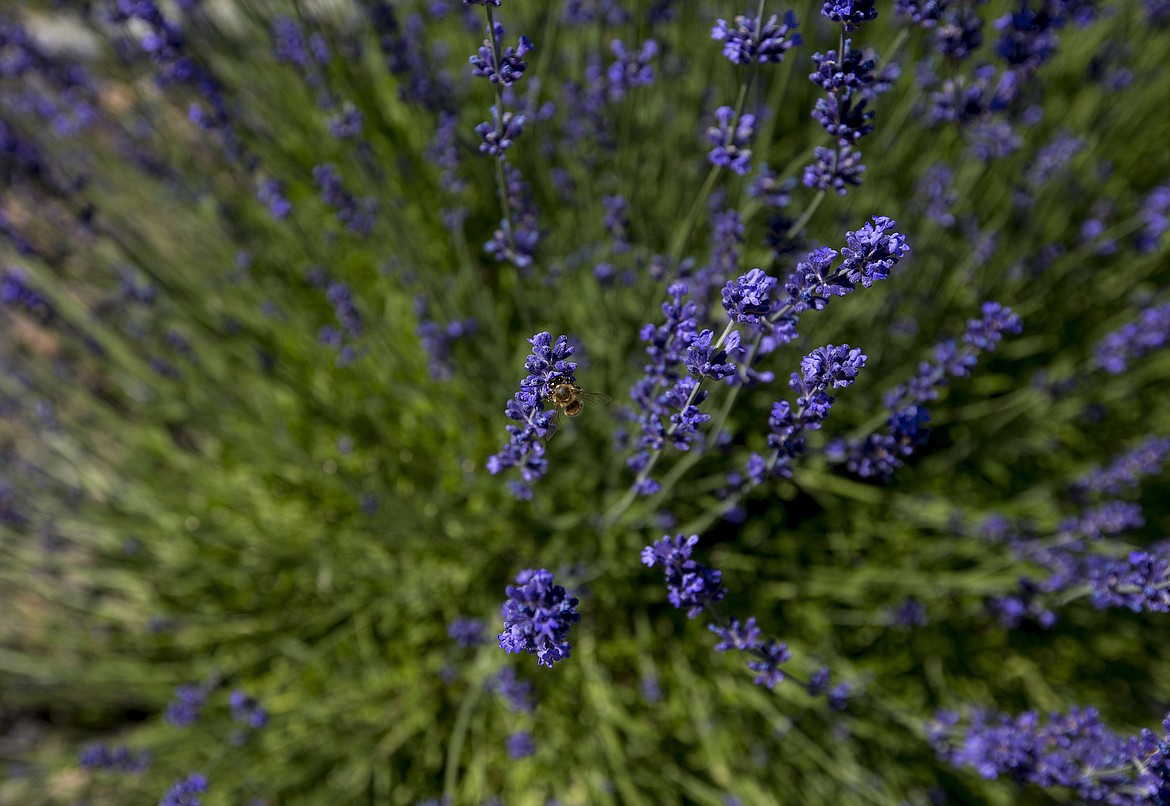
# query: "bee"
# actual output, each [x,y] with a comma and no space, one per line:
[570,400]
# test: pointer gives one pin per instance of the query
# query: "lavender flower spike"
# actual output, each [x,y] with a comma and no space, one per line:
[742,45]
[537,617]
[548,362]
[185,792]
[689,584]
[731,144]
[748,299]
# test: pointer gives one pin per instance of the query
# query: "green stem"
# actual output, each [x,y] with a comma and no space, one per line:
[458,736]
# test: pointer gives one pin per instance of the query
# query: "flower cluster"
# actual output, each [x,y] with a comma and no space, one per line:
[439,340]
[467,632]
[849,81]
[1138,582]
[1149,332]
[516,692]
[350,320]
[114,759]
[162,39]
[184,710]
[742,45]
[767,655]
[602,87]
[516,238]
[15,291]
[511,66]
[748,300]
[358,215]
[731,141]
[247,710]
[547,365]
[1155,214]
[186,792]
[630,69]
[1083,553]
[1076,751]
[828,367]
[850,14]
[879,454]
[664,394]
[1126,471]
[689,584]
[537,617]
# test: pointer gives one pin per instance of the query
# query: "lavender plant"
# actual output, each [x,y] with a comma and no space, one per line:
[825,479]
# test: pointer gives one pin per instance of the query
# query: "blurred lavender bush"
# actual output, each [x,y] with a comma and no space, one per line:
[836,471]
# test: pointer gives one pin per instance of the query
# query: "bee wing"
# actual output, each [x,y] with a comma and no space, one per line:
[558,416]
[594,398]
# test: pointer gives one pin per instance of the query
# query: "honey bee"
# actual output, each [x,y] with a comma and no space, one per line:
[570,400]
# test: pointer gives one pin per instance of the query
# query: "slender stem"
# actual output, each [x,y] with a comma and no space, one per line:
[501,178]
[458,735]
[684,236]
[808,213]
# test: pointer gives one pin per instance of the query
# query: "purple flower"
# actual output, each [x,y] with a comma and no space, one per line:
[114,759]
[852,73]
[247,710]
[741,637]
[347,124]
[511,67]
[770,190]
[834,169]
[850,13]
[772,656]
[184,710]
[467,632]
[731,144]
[748,299]
[1155,214]
[630,69]
[925,13]
[870,253]
[1149,332]
[1125,472]
[617,222]
[521,745]
[1027,37]
[288,43]
[438,340]
[937,195]
[358,215]
[664,390]
[548,363]
[689,584]
[516,243]
[825,368]
[185,792]
[498,133]
[704,360]
[845,120]
[1138,582]
[1075,751]
[537,617]
[741,44]
[15,291]
[880,454]
[516,692]
[271,195]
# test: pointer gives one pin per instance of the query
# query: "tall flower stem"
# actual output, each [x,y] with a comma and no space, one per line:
[501,179]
